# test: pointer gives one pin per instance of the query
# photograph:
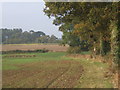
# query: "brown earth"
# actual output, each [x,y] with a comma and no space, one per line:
[47,74]
[51,47]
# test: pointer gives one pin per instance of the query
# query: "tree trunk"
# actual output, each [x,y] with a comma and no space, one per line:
[102,45]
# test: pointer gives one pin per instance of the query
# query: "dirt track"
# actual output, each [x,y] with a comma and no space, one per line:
[51,47]
[48,74]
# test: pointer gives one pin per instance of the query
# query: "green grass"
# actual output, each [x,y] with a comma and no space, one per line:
[93,76]
[8,63]
[86,52]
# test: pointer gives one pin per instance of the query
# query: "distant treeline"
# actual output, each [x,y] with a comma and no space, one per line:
[17,36]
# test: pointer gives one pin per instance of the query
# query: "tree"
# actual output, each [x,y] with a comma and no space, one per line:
[66,16]
[91,20]
[53,39]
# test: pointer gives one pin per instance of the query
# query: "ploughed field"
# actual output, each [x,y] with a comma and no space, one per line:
[52,70]
[45,70]
[50,47]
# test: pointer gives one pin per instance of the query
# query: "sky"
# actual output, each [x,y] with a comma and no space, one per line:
[28,16]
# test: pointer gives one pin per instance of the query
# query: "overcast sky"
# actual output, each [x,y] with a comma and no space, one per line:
[28,16]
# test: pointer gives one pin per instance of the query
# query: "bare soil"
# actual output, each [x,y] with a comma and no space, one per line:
[47,74]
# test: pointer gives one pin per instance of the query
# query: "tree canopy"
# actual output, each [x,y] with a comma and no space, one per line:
[88,21]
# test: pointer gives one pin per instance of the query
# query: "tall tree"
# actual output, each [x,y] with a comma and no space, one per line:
[92,19]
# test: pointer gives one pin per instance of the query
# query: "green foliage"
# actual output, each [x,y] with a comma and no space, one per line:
[70,39]
[92,18]
[115,42]
[74,50]
[27,51]
[91,22]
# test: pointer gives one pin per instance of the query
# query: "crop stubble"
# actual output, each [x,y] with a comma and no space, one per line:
[50,47]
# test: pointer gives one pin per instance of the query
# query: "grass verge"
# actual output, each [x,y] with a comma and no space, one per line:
[94,74]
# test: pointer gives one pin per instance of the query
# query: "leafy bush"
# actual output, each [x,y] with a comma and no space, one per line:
[28,51]
[74,50]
